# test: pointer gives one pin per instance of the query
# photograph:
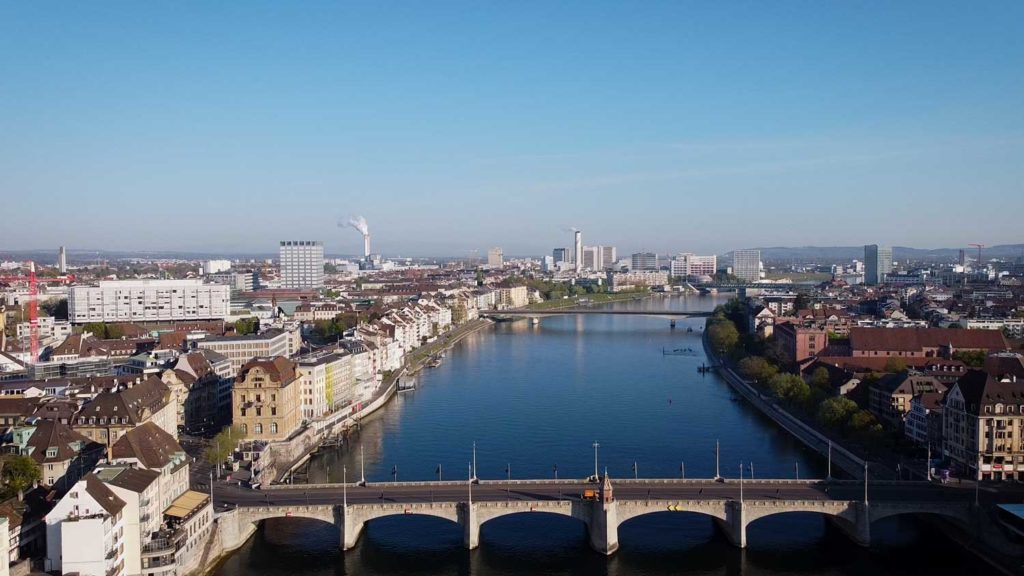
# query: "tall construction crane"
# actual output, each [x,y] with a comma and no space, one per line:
[979,247]
[33,302]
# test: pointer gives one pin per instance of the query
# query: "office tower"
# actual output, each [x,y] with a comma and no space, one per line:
[688,264]
[642,261]
[495,258]
[578,252]
[62,260]
[302,264]
[591,257]
[607,256]
[746,265]
[560,255]
[877,263]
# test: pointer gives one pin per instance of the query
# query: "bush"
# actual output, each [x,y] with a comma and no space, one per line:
[757,368]
[835,412]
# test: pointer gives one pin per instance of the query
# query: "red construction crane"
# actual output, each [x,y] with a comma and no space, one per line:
[33,311]
[979,247]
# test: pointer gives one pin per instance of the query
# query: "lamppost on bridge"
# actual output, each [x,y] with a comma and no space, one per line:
[796,467]
[344,487]
[741,482]
[597,478]
[438,472]
[472,473]
[508,487]
[682,470]
[636,473]
[751,470]
[394,473]
[865,482]
[556,472]
[829,476]
[469,482]
[718,475]
[362,467]
[928,464]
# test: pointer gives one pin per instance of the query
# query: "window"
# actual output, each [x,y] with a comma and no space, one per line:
[245,428]
[273,410]
[273,427]
[259,428]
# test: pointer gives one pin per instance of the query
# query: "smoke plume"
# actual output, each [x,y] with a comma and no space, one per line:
[357,222]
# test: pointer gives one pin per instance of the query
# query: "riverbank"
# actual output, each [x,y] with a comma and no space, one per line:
[588,300]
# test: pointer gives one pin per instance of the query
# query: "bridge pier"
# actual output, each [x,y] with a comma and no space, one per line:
[349,526]
[860,529]
[735,524]
[603,527]
[470,525]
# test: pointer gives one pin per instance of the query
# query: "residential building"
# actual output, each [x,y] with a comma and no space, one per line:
[495,258]
[619,281]
[515,297]
[201,395]
[150,448]
[85,531]
[799,343]
[148,301]
[877,263]
[923,423]
[62,454]
[746,265]
[139,489]
[49,327]
[687,265]
[644,262]
[240,349]
[113,413]
[188,525]
[983,427]
[326,383]
[302,264]
[265,399]
[890,397]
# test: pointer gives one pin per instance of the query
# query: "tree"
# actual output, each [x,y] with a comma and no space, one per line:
[757,368]
[802,302]
[19,472]
[245,326]
[820,378]
[789,388]
[973,358]
[723,335]
[222,445]
[56,307]
[835,412]
[895,365]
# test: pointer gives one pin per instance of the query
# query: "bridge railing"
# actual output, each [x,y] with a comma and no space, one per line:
[582,482]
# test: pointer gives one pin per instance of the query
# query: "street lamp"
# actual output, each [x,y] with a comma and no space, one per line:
[718,475]
[362,467]
[556,472]
[796,466]
[682,470]
[344,488]
[597,477]
[508,487]
[473,472]
[636,474]
[741,482]
[829,477]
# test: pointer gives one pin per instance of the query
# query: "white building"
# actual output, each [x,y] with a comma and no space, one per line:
[746,265]
[495,258]
[643,262]
[688,264]
[302,264]
[85,531]
[141,516]
[241,349]
[215,266]
[148,301]
[49,327]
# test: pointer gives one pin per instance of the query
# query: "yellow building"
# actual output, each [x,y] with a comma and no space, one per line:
[265,399]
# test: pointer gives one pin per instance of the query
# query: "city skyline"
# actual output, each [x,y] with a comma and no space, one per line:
[647,129]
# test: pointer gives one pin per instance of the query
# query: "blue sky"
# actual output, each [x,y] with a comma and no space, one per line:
[227,126]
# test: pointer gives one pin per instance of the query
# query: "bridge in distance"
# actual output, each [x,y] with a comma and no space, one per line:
[732,504]
[523,313]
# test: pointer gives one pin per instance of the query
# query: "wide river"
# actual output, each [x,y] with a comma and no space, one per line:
[534,399]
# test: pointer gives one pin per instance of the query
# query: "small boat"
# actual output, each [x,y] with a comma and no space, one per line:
[435,361]
[690,330]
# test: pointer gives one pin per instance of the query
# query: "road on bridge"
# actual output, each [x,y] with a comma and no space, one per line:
[495,491]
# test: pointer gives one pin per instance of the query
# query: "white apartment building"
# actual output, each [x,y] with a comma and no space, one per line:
[689,264]
[618,281]
[241,349]
[148,301]
[515,297]
[495,258]
[302,264]
[142,514]
[85,531]
[1013,326]
[327,383]
[49,327]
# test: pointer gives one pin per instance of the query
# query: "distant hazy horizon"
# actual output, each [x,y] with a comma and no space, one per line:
[458,126]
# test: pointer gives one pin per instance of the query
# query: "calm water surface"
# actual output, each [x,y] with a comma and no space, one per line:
[535,399]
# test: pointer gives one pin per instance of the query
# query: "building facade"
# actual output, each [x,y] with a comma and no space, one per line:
[302,264]
[495,258]
[688,265]
[265,399]
[644,262]
[983,427]
[877,264]
[746,265]
[241,349]
[148,301]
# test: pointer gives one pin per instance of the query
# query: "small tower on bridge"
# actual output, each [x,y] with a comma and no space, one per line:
[606,489]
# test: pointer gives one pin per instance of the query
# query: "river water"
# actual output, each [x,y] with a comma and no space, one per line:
[534,399]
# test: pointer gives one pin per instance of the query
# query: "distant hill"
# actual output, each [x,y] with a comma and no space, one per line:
[846,253]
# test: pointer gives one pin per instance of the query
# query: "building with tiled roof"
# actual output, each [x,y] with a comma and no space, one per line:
[85,531]
[922,342]
[113,413]
[62,454]
[983,426]
[151,448]
[265,399]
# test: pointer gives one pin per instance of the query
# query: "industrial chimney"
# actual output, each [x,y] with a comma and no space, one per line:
[579,251]
[366,245]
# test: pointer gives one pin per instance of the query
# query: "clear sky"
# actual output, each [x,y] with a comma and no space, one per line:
[703,126]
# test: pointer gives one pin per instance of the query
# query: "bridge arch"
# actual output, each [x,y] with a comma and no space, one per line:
[630,510]
[958,512]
